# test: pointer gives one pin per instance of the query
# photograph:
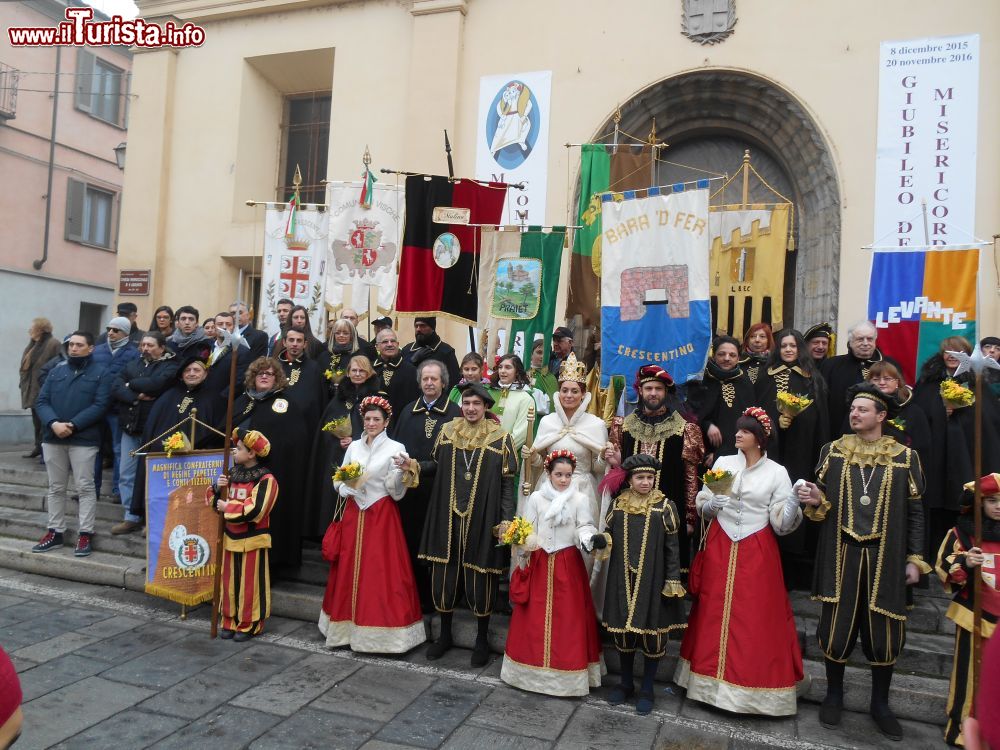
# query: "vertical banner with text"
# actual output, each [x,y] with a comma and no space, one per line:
[928,103]
[294,265]
[181,527]
[512,140]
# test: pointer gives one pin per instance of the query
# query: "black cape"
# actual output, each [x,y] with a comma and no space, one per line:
[840,373]
[218,372]
[307,387]
[398,381]
[719,400]
[797,447]
[442,352]
[282,422]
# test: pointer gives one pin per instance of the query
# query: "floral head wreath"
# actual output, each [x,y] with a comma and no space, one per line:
[562,453]
[378,401]
[755,412]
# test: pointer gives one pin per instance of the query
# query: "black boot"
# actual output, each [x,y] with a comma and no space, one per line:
[626,688]
[884,718]
[647,697]
[481,651]
[833,703]
[444,643]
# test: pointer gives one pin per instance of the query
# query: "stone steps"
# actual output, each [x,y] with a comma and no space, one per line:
[30,497]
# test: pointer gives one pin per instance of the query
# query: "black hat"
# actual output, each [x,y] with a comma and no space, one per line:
[431,321]
[640,462]
[989,341]
[869,391]
[127,308]
[562,332]
[383,322]
[477,389]
[820,329]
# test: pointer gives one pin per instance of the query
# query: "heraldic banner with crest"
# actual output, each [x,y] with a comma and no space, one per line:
[654,284]
[182,528]
[294,264]
[364,244]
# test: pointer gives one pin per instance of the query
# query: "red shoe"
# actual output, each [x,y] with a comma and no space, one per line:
[51,539]
[83,545]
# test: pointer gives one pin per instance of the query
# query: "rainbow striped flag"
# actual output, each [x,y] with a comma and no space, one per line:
[917,298]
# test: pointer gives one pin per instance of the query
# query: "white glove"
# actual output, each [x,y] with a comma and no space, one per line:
[717,503]
[790,511]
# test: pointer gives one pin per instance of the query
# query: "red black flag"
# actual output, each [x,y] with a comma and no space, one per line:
[439,266]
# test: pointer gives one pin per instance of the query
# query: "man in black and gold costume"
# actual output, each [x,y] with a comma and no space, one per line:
[474,467]
[397,378]
[869,550]
[417,427]
[659,428]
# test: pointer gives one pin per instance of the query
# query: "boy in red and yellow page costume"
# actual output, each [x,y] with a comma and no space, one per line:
[250,494]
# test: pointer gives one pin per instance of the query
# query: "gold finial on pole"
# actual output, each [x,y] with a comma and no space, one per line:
[297,178]
[746,177]
[367,158]
[652,133]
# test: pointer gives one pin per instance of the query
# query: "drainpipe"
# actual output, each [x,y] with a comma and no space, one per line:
[52,159]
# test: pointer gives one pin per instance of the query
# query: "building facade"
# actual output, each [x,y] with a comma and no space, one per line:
[63,110]
[279,82]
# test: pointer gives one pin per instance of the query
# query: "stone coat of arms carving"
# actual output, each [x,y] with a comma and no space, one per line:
[708,21]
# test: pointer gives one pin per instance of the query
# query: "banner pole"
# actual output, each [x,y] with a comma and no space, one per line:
[977,510]
[217,580]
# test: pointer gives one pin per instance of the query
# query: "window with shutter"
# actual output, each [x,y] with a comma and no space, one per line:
[90,214]
[83,90]
[74,209]
[100,89]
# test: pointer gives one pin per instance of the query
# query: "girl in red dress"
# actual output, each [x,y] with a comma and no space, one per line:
[741,648]
[552,644]
[371,601]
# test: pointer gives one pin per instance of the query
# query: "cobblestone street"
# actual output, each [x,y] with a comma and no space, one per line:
[106,667]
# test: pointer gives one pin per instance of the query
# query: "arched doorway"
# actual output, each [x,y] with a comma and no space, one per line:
[708,117]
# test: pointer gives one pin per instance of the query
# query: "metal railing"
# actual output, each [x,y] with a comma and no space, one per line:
[9,78]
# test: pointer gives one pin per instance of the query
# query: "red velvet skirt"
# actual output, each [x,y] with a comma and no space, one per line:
[741,650]
[371,600]
[552,644]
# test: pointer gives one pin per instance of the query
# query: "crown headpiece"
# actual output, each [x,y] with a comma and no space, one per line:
[755,412]
[573,370]
[561,453]
[378,401]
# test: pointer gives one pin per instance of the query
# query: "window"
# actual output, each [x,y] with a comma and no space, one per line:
[101,88]
[306,141]
[90,212]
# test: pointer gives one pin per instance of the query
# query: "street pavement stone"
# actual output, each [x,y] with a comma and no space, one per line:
[467,737]
[131,729]
[605,730]
[779,726]
[528,714]
[311,729]
[291,689]
[26,610]
[112,626]
[57,673]
[55,647]
[255,661]
[225,728]
[376,693]
[131,644]
[859,731]
[434,715]
[66,712]
[674,737]
[196,696]
[8,600]
[173,662]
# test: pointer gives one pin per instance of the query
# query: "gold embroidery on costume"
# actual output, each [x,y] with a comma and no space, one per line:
[293,378]
[429,424]
[728,394]
[182,407]
[644,432]
[387,373]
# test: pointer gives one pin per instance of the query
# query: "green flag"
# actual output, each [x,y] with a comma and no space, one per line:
[546,247]
[584,286]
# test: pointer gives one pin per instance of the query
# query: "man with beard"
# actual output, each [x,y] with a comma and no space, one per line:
[843,371]
[721,398]
[658,428]
[283,309]
[870,549]
[135,390]
[474,469]
[819,340]
[219,361]
[306,382]
[255,338]
[397,377]
[417,427]
[188,339]
[428,345]
[173,407]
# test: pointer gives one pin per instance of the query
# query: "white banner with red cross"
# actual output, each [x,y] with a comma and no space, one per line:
[294,264]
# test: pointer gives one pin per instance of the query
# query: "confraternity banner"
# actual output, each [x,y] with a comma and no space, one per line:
[918,297]
[654,284]
[294,264]
[927,129]
[364,244]
[182,529]
[512,140]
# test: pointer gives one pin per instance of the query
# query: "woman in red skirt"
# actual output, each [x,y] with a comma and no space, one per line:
[741,649]
[552,644]
[371,601]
